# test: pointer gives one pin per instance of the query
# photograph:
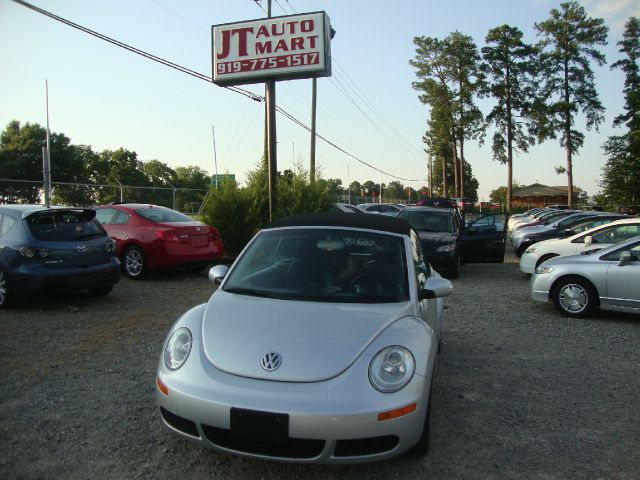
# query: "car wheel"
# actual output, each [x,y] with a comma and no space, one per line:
[134,263]
[100,291]
[197,267]
[455,271]
[5,294]
[421,448]
[544,258]
[574,296]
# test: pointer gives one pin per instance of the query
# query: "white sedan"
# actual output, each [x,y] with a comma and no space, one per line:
[597,238]
[577,284]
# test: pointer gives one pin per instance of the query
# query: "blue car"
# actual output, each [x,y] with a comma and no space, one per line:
[56,248]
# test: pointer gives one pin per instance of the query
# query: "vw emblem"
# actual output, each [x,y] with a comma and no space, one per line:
[271,361]
[198,229]
[81,248]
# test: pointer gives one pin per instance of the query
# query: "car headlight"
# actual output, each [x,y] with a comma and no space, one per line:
[542,269]
[391,369]
[532,250]
[177,348]
[446,248]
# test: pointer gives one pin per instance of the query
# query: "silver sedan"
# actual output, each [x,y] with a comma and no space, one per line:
[577,284]
[319,346]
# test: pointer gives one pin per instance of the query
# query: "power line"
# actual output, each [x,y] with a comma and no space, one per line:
[197,75]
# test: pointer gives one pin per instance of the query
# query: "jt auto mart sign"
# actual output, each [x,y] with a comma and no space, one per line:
[294,46]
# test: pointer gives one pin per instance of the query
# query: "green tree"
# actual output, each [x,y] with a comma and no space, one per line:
[21,159]
[76,172]
[159,175]
[193,184]
[122,168]
[621,173]
[570,41]
[510,67]
[468,80]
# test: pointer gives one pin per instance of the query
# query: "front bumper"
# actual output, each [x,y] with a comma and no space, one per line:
[444,263]
[333,421]
[528,263]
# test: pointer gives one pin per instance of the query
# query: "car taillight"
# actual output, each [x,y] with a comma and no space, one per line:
[167,235]
[213,234]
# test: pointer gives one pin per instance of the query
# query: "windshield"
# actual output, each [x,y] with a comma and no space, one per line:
[325,265]
[162,215]
[64,225]
[429,220]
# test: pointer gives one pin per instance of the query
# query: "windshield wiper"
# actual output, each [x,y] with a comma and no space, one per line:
[252,292]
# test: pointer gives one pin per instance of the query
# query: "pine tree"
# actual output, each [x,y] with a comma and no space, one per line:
[570,44]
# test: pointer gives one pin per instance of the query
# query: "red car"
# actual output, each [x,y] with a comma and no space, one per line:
[150,237]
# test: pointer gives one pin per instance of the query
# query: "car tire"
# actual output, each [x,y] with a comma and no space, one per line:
[197,267]
[5,293]
[421,448]
[455,272]
[544,258]
[134,263]
[574,296]
[100,291]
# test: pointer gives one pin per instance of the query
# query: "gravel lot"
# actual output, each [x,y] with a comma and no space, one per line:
[520,392]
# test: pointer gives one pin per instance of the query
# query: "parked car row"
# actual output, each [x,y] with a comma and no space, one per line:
[84,249]
[590,260]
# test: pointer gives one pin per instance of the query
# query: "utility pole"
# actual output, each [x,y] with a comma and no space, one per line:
[272,160]
[312,167]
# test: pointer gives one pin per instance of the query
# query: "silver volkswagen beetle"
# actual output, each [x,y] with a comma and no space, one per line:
[607,278]
[319,345]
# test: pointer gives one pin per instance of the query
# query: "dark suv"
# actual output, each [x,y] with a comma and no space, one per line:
[55,248]
[447,242]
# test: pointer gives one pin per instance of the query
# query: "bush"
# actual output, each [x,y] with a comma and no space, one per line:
[240,212]
[229,209]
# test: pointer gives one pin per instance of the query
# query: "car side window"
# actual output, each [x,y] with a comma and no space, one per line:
[104,215]
[6,223]
[121,218]
[422,272]
[617,234]
[634,249]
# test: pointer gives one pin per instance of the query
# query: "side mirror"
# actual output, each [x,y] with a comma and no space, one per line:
[435,288]
[588,240]
[568,232]
[217,273]
[625,259]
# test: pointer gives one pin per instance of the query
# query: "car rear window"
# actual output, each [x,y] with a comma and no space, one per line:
[64,225]
[162,215]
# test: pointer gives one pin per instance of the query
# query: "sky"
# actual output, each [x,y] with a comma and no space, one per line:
[106,97]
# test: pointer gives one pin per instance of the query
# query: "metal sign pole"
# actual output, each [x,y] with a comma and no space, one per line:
[270,105]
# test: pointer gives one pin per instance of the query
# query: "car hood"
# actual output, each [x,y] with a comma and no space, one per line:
[432,240]
[315,340]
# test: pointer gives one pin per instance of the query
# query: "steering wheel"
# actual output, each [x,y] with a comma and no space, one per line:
[370,284]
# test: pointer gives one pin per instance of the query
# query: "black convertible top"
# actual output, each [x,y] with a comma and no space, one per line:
[350,220]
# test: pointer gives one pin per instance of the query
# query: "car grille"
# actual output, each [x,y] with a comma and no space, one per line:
[295,448]
[365,446]
[181,424]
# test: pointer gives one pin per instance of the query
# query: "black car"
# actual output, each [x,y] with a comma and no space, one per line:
[567,229]
[437,202]
[55,248]
[447,242]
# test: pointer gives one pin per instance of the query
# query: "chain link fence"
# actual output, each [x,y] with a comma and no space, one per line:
[186,200]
